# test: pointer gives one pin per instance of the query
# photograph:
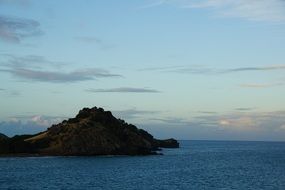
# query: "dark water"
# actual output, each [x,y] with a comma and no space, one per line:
[196,165]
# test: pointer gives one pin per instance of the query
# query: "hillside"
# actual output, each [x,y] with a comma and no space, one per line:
[92,132]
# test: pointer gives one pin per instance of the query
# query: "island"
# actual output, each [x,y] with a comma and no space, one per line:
[92,132]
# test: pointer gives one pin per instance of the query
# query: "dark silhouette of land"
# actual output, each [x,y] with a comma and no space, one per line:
[92,132]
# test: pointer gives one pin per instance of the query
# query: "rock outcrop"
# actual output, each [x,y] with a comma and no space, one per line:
[92,132]
[4,145]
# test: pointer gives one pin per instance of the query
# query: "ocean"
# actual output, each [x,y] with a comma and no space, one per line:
[196,165]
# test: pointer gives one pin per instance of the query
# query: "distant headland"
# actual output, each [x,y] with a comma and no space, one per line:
[92,132]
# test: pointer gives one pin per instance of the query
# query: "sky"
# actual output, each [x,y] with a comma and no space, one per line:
[188,69]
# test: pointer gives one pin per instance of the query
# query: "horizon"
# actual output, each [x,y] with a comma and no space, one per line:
[187,69]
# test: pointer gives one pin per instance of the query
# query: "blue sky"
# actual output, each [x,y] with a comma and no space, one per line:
[208,69]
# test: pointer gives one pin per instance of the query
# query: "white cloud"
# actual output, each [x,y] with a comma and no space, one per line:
[224,122]
[243,123]
[234,121]
[28,124]
[39,120]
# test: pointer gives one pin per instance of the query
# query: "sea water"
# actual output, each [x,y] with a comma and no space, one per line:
[196,165]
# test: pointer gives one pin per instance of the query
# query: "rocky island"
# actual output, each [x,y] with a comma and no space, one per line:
[92,132]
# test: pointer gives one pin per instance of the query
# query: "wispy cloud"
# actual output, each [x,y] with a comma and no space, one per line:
[254,10]
[266,68]
[38,68]
[99,73]
[244,109]
[212,71]
[16,29]
[176,121]
[260,85]
[59,77]
[10,93]
[88,39]
[28,61]
[182,69]
[94,40]
[124,90]
[133,113]
[207,112]
[14,93]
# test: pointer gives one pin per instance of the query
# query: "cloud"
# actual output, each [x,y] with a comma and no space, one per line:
[228,126]
[38,68]
[94,40]
[14,93]
[28,124]
[172,121]
[181,69]
[100,73]
[244,109]
[261,85]
[88,39]
[256,10]
[243,123]
[282,127]
[59,77]
[267,68]
[133,113]
[253,10]
[29,61]
[9,93]
[211,71]
[125,90]
[16,29]
[45,120]
[207,112]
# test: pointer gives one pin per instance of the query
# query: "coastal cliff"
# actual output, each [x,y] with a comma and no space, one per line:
[92,132]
